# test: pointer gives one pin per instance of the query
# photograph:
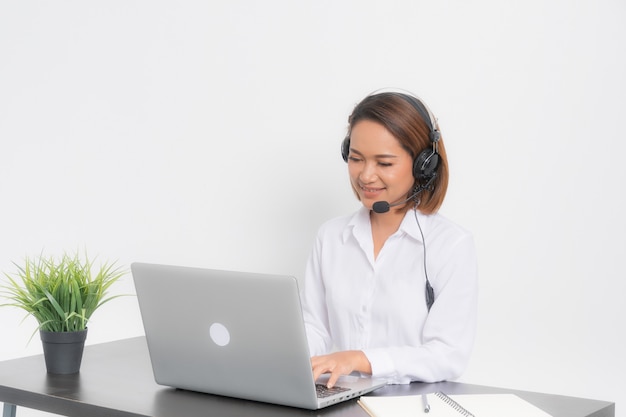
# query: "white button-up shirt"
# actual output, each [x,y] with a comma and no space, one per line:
[352,301]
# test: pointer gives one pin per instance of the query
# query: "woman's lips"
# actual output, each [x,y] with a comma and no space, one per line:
[371,192]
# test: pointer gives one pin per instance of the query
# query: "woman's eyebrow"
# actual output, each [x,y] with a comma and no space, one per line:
[381,155]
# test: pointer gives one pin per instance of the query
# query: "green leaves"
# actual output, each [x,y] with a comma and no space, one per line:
[61,295]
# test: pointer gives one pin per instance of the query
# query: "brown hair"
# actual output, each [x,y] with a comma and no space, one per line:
[402,115]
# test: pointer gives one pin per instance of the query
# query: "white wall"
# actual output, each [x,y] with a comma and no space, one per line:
[207,133]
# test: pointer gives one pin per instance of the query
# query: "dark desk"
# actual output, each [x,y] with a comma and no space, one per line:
[116,380]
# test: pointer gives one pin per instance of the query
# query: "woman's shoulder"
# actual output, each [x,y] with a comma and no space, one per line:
[441,227]
[339,224]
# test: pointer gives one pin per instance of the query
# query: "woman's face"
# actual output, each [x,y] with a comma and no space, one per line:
[380,168]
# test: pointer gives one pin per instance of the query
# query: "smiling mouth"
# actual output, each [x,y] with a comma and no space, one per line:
[371,193]
[371,190]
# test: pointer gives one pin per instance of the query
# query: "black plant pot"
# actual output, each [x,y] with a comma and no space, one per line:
[63,351]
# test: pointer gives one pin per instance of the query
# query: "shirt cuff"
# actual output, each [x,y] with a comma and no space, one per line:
[381,363]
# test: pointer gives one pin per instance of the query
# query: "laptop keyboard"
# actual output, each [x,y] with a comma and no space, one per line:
[323,391]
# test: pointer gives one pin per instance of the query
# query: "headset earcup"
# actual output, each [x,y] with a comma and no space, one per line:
[425,165]
[345,148]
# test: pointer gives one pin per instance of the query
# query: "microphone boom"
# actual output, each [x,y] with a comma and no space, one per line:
[381,207]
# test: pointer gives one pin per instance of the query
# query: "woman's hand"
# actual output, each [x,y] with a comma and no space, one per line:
[340,363]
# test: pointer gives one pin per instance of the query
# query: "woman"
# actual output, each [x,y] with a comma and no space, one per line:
[372,276]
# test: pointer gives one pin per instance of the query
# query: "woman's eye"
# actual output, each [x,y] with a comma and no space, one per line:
[354,159]
[385,164]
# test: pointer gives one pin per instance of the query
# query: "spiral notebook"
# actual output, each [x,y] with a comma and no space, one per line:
[442,405]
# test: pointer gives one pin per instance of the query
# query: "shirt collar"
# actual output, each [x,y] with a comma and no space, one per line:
[359,225]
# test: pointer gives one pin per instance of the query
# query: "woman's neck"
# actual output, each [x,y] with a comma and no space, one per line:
[383,226]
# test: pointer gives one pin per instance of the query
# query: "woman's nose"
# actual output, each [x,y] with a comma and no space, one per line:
[368,173]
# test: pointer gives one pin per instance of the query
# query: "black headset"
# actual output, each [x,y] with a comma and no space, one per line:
[426,164]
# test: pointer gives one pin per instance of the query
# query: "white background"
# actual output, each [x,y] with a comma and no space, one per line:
[207,133]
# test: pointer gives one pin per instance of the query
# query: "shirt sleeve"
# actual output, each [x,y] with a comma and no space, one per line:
[314,309]
[449,330]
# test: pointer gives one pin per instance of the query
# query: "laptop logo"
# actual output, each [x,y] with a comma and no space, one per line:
[219,334]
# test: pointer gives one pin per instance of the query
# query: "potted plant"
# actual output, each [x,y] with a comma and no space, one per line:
[61,295]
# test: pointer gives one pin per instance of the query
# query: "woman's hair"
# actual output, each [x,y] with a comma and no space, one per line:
[402,116]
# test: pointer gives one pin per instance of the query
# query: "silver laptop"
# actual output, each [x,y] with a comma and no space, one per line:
[235,334]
